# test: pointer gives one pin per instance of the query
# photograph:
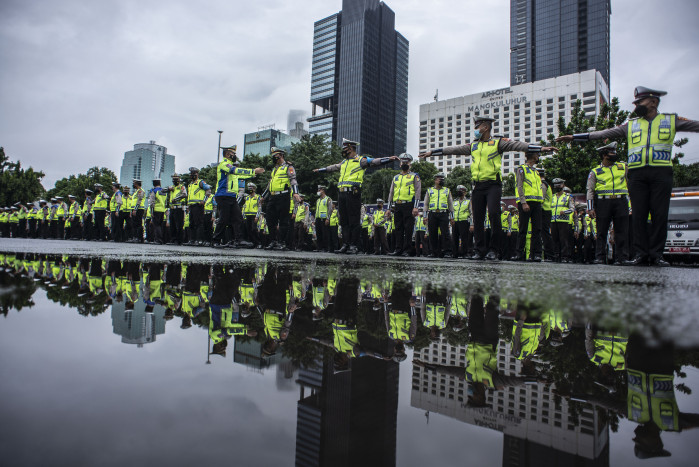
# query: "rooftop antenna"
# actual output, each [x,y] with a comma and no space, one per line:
[436,95]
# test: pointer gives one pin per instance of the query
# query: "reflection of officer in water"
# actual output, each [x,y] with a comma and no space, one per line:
[278,306]
[481,370]
[435,311]
[401,318]
[224,312]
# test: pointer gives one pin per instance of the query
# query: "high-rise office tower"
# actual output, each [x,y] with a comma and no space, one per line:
[550,38]
[146,162]
[359,82]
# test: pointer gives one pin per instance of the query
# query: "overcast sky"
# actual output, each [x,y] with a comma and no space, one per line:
[82,82]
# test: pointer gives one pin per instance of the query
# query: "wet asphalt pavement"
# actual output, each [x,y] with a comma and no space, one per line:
[661,301]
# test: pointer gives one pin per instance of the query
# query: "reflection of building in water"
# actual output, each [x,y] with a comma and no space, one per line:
[136,326]
[250,354]
[537,431]
[348,418]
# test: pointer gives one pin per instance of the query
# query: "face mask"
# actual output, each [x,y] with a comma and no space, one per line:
[558,189]
[477,134]
[440,182]
[175,182]
[318,193]
[641,110]
[612,157]
[346,152]
[405,167]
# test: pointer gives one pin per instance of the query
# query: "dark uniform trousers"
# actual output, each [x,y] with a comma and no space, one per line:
[32,228]
[487,194]
[560,231]
[208,226]
[229,216]
[590,249]
[421,246]
[251,229]
[334,238]
[322,234]
[23,228]
[116,226]
[650,189]
[512,244]
[535,215]
[546,237]
[61,228]
[278,215]
[75,228]
[405,223]
[350,207]
[100,228]
[158,220]
[617,210]
[196,222]
[380,240]
[138,224]
[299,235]
[437,221]
[461,234]
[177,224]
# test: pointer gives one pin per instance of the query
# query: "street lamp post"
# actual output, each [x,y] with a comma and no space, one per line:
[218,152]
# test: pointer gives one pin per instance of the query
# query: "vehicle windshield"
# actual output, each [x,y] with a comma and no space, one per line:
[685,210]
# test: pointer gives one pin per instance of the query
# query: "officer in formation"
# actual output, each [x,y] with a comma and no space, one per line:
[323,214]
[403,203]
[352,170]
[486,160]
[461,224]
[282,188]
[529,202]
[650,137]
[438,208]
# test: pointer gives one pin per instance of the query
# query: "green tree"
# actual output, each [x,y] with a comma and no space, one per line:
[377,185]
[508,185]
[16,183]
[426,171]
[574,161]
[313,152]
[684,174]
[459,176]
[76,184]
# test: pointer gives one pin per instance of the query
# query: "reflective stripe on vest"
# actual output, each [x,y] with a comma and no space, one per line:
[486,160]
[399,326]
[334,219]
[462,209]
[195,193]
[652,397]
[404,187]
[481,363]
[209,204]
[558,205]
[322,208]
[301,212]
[532,184]
[345,338]
[435,315]
[280,178]
[547,197]
[610,350]
[439,199]
[351,173]
[650,143]
[611,180]
[251,205]
[529,339]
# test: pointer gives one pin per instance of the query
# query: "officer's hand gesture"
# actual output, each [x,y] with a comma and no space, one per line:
[297,197]
[525,207]
[327,222]
[564,139]
[591,213]
[424,155]
[315,170]
[259,170]
[393,158]
[549,149]
[471,229]
[414,212]
[452,222]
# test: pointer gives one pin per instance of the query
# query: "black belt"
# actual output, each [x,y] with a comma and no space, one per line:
[349,188]
[612,196]
[438,210]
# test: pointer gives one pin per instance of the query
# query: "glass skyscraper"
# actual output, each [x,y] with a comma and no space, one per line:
[359,83]
[551,38]
[146,162]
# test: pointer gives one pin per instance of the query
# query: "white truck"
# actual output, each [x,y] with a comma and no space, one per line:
[682,244]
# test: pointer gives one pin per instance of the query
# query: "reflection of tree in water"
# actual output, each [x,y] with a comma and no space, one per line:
[92,306]
[15,292]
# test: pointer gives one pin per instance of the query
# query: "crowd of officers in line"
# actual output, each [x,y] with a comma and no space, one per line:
[267,302]
[544,225]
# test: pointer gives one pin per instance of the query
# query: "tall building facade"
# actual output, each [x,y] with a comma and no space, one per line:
[526,112]
[146,162]
[359,82]
[550,38]
[262,141]
[539,428]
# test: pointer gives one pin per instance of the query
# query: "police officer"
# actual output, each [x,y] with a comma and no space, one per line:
[157,202]
[529,201]
[546,238]
[650,138]
[139,209]
[277,202]
[486,154]
[350,185]
[74,216]
[86,215]
[607,201]
[251,211]
[461,223]
[403,202]
[562,207]
[115,203]
[177,199]
[379,219]
[227,187]
[439,209]
[323,213]
[99,209]
[334,228]
[196,197]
